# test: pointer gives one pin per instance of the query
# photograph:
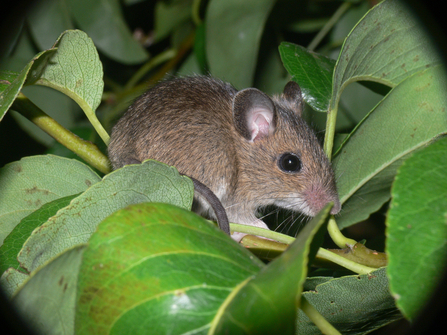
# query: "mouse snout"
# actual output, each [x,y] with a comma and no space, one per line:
[317,197]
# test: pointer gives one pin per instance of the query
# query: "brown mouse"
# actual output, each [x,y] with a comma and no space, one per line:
[250,149]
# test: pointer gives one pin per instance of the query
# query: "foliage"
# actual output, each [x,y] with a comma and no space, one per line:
[121,252]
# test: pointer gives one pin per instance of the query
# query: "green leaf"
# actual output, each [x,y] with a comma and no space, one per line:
[234,30]
[47,300]
[14,241]
[417,228]
[387,46]
[258,304]
[104,22]
[33,181]
[148,182]
[75,70]
[6,78]
[353,304]
[47,20]
[313,72]
[408,118]
[158,267]
[12,84]
[72,67]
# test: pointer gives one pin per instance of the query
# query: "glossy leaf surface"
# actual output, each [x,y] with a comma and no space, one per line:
[313,72]
[157,267]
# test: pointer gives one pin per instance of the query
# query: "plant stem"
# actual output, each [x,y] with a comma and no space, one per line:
[160,58]
[339,239]
[346,263]
[328,26]
[322,253]
[252,230]
[89,112]
[88,151]
[196,12]
[317,318]
[328,145]
[331,121]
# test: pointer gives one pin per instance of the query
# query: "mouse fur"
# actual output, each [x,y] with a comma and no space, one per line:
[232,142]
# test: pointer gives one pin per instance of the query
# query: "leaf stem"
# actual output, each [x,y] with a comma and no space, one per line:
[328,26]
[331,121]
[317,318]
[339,239]
[344,262]
[328,146]
[252,230]
[88,151]
[89,112]
[196,12]
[322,253]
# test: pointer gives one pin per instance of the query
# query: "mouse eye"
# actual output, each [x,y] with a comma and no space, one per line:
[289,163]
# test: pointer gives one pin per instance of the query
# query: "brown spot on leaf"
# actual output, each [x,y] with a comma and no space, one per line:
[179,293]
[17,168]
[35,189]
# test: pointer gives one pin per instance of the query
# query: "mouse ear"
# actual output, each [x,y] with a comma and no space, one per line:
[292,93]
[254,114]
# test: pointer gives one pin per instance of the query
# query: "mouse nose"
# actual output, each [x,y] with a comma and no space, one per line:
[317,197]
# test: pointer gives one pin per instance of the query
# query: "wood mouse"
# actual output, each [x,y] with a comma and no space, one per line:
[250,149]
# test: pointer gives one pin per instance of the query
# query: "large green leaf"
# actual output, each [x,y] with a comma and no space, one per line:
[408,118]
[148,182]
[274,293]
[33,181]
[47,299]
[313,72]
[160,269]
[417,228]
[387,46]
[104,22]
[355,304]
[233,36]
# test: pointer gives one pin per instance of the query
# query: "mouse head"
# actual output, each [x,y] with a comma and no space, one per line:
[281,161]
